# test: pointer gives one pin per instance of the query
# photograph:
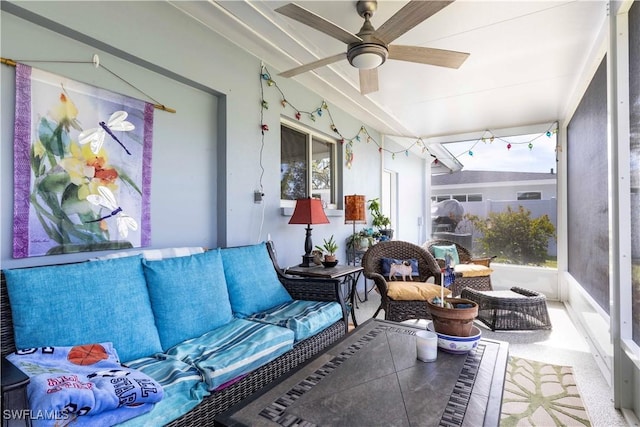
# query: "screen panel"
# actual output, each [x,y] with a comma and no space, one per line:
[587,191]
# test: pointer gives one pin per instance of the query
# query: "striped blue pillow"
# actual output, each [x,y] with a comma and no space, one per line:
[304,318]
[234,349]
[183,390]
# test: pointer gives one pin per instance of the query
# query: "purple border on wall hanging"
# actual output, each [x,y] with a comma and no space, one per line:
[82,167]
[21,167]
[146,175]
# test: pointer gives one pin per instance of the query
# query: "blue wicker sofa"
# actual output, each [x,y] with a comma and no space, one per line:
[211,327]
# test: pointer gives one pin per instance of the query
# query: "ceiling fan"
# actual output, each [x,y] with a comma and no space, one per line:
[370,48]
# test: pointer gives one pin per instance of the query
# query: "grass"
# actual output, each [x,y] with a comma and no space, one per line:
[550,262]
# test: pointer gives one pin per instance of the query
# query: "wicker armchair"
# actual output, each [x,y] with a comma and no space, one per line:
[394,310]
[479,283]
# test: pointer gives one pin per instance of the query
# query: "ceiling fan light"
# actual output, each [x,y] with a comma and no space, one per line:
[367,56]
[367,61]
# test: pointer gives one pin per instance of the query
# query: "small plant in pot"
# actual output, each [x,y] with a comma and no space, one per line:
[362,239]
[379,220]
[329,248]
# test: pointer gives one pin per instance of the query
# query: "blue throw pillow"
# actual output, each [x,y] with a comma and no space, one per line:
[386,265]
[84,303]
[252,280]
[443,251]
[188,296]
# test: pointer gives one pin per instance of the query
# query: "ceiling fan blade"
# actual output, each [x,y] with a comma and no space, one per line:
[368,81]
[412,14]
[313,65]
[309,18]
[427,55]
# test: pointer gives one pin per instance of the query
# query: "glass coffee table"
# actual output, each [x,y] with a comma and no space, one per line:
[373,378]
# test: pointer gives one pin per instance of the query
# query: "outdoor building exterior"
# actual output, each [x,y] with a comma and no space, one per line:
[477,186]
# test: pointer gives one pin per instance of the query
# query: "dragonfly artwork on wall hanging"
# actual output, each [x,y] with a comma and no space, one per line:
[95,136]
[107,200]
[67,164]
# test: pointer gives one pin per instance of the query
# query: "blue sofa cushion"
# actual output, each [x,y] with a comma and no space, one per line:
[304,318]
[84,303]
[252,280]
[234,349]
[188,296]
[183,390]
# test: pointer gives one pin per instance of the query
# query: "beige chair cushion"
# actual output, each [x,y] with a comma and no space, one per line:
[414,291]
[472,270]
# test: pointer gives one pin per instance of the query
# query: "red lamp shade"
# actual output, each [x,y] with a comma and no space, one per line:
[309,211]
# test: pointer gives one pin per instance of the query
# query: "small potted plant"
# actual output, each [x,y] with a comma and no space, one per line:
[362,239]
[379,220]
[329,248]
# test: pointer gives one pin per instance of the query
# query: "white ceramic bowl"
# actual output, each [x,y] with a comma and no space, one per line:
[457,345]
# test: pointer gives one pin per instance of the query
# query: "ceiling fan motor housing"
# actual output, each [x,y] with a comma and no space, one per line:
[366,48]
[370,46]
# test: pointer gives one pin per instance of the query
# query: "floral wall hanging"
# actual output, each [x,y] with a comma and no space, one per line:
[82,167]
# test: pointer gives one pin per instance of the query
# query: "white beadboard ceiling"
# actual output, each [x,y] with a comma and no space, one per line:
[526,60]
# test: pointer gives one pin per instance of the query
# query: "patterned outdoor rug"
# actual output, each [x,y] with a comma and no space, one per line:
[540,394]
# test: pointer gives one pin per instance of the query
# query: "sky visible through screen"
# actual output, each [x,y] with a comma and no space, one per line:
[495,156]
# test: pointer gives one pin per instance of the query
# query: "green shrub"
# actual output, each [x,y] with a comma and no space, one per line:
[514,235]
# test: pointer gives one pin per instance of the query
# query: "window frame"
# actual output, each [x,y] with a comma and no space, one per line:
[310,135]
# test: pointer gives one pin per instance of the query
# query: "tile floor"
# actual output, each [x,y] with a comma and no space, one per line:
[563,345]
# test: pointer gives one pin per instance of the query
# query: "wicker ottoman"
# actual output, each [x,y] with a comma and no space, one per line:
[516,309]
[482,283]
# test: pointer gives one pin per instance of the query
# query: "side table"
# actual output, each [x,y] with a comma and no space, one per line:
[15,404]
[348,274]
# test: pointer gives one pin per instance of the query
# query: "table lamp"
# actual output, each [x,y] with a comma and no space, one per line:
[308,211]
[354,212]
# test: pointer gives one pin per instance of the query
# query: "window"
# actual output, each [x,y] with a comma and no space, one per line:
[307,165]
[529,195]
[458,197]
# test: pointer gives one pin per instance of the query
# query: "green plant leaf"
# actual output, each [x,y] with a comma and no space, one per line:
[53,182]
[71,204]
[53,137]
[126,179]
[44,217]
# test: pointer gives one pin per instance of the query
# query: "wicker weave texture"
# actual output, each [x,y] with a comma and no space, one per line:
[482,283]
[7,343]
[520,309]
[394,310]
